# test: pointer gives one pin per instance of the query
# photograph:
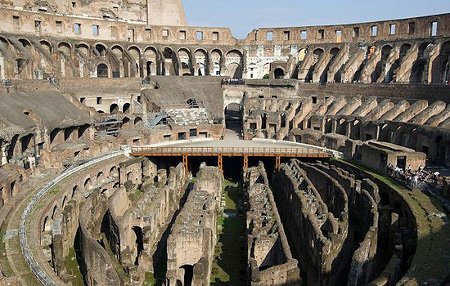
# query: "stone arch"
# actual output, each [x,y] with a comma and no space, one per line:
[54,134]
[113,171]
[170,66]
[419,67]
[201,60]
[234,64]
[126,108]
[444,67]
[301,54]
[47,46]
[114,108]
[125,122]
[54,212]
[65,48]
[279,73]
[185,60]
[102,70]
[63,202]
[150,61]
[138,121]
[217,60]
[25,43]
[84,49]
[135,53]
[87,184]
[100,176]
[385,53]
[74,191]
[101,49]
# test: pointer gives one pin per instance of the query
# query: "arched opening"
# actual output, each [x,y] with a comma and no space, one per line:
[233,117]
[102,70]
[150,59]
[170,66]
[138,121]
[87,184]
[317,54]
[125,122]
[113,109]
[100,177]
[216,58]
[418,70]
[185,61]
[54,135]
[126,108]
[139,242]
[201,59]
[74,191]
[234,64]
[100,50]
[444,58]
[278,73]
[135,54]
[188,274]
[379,68]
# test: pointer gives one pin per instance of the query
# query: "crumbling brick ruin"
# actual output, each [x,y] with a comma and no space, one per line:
[269,255]
[89,87]
[190,248]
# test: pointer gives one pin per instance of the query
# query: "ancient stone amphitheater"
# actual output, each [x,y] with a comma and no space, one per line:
[138,150]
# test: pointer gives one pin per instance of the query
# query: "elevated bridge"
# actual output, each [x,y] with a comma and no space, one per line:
[233,148]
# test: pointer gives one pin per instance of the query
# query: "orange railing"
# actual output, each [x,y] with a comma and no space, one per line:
[230,151]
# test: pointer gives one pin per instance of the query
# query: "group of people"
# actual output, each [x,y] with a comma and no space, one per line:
[414,179]
[233,81]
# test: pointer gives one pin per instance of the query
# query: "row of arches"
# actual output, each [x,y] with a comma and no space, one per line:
[83,59]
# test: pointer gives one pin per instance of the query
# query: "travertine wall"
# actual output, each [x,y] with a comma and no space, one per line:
[190,248]
[270,259]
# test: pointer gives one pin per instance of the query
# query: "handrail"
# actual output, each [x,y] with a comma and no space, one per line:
[27,252]
[213,151]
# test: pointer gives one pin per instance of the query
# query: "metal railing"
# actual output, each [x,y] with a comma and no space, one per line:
[230,151]
[27,252]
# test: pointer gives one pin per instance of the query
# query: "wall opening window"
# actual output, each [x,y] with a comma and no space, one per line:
[37,26]
[182,35]
[303,35]
[16,22]
[392,29]
[99,100]
[434,28]
[287,35]
[356,32]
[321,34]
[95,30]
[373,31]
[130,35]
[148,34]
[338,36]
[165,33]
[269,36]
[114,31]
[411,28]
[215,36]
[77,28]
[199,35]
[58,25]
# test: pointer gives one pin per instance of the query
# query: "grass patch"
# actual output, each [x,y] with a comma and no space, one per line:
[149,279]
[4,263]
[73,269]
[230,263]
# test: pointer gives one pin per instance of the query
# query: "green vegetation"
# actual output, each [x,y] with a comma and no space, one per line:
[73,269]
[229,266]
[149,279]
[4,263]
